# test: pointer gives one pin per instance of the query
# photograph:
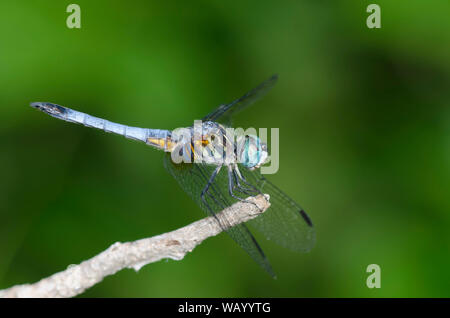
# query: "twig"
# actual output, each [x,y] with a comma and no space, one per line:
[175,245]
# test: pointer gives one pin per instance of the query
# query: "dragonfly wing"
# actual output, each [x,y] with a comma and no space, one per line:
[224,112]
[193,178]
[285,222]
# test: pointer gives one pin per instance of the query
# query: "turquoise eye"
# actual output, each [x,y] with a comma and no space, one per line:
[251,154]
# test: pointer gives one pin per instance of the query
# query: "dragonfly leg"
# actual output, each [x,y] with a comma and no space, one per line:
[208,185]
[231,188]
[237,185]
[240,176]
[205,191]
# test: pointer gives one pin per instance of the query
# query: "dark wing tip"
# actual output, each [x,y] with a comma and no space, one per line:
[306,217]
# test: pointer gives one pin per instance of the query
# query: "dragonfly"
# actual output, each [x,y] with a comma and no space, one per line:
[215,183]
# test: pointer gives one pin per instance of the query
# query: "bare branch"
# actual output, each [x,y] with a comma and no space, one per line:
[175,245]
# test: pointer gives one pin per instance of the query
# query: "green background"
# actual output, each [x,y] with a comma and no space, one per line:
[364,125]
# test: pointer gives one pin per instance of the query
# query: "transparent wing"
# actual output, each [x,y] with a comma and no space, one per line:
[285,222]
[224,112]
[193,178]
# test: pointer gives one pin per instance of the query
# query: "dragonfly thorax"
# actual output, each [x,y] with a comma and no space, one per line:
[215,144]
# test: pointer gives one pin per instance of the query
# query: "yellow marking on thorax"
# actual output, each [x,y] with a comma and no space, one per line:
[200,143]
[167,144]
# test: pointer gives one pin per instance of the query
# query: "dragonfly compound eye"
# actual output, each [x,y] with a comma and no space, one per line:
[252,152]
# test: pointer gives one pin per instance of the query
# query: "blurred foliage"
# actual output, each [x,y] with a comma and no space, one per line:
[363,115]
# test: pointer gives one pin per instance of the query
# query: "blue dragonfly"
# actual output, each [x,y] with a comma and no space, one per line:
[214,183]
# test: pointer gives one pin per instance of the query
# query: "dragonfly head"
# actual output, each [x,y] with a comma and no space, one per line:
[254,152]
